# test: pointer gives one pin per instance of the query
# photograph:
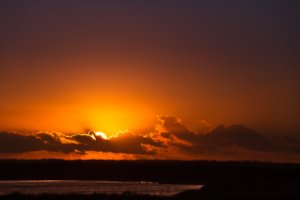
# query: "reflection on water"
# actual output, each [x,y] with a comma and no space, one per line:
[90,187]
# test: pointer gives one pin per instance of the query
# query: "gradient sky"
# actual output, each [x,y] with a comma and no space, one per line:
[115,65]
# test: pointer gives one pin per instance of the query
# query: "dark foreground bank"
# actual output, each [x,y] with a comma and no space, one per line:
[204,194]
[222,180]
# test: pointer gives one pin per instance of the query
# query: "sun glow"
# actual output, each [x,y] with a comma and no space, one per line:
[101,134]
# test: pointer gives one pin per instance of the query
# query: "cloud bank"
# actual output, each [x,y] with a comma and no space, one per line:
[170,140]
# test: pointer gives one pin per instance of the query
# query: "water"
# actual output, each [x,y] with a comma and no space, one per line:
[91,187]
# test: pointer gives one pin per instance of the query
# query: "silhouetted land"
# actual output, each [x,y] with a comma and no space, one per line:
[222,180]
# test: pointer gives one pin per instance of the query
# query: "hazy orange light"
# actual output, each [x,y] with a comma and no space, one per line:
[113,118]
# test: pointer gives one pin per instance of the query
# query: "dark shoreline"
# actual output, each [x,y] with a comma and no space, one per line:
[222,180]
[203,194]
[163,171]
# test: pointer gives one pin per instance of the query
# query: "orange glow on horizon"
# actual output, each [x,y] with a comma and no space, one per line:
[111,114]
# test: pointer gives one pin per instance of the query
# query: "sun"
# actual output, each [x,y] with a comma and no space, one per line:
[101,134]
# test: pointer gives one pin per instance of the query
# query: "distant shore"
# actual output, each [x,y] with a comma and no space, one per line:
[222,180]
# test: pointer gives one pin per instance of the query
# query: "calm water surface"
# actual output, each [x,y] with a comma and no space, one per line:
[90,187]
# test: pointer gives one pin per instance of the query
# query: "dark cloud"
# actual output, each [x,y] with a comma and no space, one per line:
[244,137]
[128,142]
[77,143]
[14,143]
[235,137]
[170,140]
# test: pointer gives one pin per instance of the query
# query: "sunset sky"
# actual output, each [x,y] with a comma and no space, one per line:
[70,67]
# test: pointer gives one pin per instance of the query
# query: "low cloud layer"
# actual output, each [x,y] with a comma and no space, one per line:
[170,140]
[76,143]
